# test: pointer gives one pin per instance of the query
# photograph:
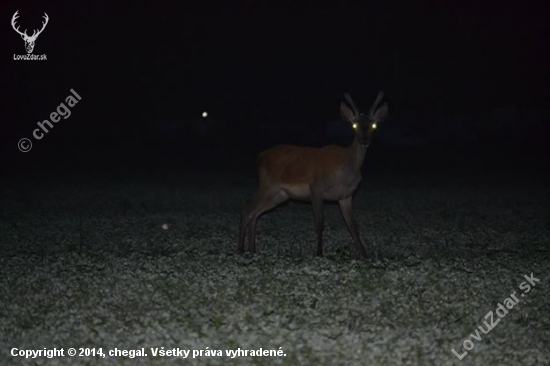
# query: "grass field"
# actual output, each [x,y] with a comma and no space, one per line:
[86,263]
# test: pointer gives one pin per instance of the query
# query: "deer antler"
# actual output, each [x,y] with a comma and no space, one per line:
[352,104]
[15,16]
[36,32]
[375,104]
[43,26]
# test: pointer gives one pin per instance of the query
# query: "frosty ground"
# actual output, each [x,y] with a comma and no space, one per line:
[86,263]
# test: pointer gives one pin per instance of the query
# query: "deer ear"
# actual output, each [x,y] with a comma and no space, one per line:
[346,113]
[381,113]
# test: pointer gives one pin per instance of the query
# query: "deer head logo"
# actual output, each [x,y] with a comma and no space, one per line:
[29,41]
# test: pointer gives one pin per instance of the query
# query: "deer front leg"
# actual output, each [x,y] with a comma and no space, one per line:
[346,208]
[318,217]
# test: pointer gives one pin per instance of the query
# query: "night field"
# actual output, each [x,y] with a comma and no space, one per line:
[87,263]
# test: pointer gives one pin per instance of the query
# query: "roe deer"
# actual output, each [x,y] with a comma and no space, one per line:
[329,173]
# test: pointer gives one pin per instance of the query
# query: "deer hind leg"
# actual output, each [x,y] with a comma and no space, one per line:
[264,201]
[270,203]
[318,217]
[346,208]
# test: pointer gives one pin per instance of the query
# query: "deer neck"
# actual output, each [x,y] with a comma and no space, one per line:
[356,157]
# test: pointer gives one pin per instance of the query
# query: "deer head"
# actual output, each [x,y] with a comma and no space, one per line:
[29,41]
[364,125]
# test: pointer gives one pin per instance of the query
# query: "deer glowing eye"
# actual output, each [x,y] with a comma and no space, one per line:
[204,114]
[374,126]
[355,126]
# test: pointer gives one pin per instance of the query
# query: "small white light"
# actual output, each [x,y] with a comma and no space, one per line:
[204,114]
[164,226]
[374,126]
[355,125]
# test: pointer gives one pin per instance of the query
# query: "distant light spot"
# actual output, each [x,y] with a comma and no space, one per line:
[164,226]
[374,126]
[204,114]
[355,125]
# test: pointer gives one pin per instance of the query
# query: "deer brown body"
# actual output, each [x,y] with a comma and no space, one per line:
[329,173]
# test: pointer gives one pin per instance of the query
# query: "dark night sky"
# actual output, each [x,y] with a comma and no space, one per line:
[134,64]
